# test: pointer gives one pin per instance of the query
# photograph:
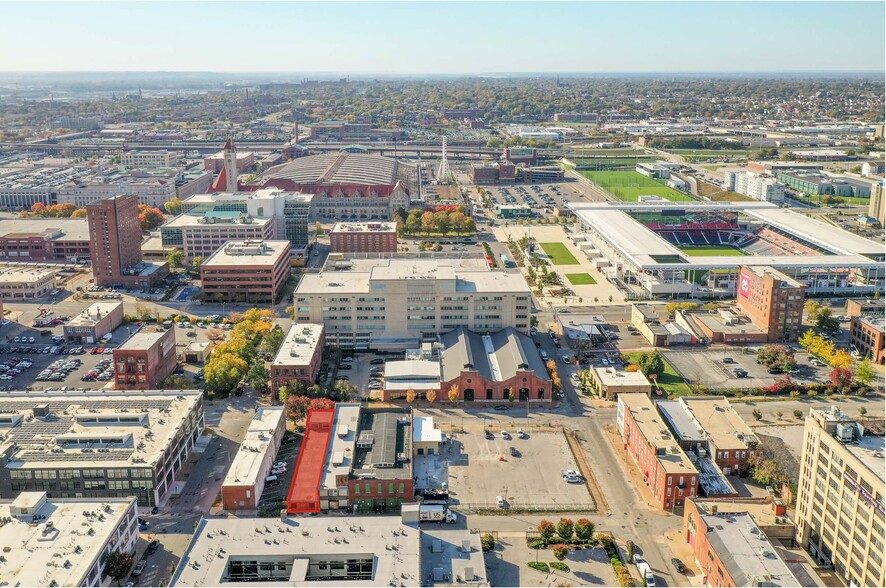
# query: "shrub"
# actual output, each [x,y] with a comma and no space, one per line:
[560,551]
[487,541]
[559,565]
[629,547]
[539,565]
[798,414]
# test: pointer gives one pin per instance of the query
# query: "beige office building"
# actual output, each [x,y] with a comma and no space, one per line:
[840,508]
[397,303]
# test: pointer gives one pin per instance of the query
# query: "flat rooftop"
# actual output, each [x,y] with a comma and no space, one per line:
[246,467]
[299,344]
[299,544]
[674,460]
[716,417]
[762,512]
[681,422]
[384,445]
[876,323]
[142,341]
[610,376]
[51,229]
[248,253]
[424,431]
[217,219]
[764,270]
[717,324]
[93,314]
[369,227]
[39,550]
[412,374]
[341,450]
[745,551]
[98,428]
[870,450]
[25,275]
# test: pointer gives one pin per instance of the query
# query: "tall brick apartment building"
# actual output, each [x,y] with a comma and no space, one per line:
[115,238]
[772,300]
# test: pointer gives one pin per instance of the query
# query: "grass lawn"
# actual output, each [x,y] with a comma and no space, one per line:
[711,250]
[581,279]
[670,381]
[630,185]
[559,254]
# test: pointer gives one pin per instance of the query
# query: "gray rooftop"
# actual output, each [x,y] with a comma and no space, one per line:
[53,229]
[338,168]
[384,445]
[496,357]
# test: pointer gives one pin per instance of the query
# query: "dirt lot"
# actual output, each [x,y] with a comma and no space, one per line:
[706,367]
[481,469]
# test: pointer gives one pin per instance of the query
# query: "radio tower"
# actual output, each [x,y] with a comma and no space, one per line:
[444,173]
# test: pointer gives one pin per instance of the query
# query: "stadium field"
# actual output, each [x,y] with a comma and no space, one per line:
[630,185]
[559,254]
[711,251]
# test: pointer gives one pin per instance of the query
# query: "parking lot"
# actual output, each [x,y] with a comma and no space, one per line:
[540,197]
[276,493]
[359,369]
[480,469]
[707,368]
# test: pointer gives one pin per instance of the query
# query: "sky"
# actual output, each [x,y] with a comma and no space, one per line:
[441,37]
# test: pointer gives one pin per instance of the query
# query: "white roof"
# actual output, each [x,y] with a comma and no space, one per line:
[610,376]
[94,313]
[423,431]
[342,441]
[412,369]
[39,551]
[245,469]
[393,548]
[366,227]
[248,253]
[299,344]
[815,231]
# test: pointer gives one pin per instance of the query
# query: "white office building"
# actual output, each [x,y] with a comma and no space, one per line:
[754,186]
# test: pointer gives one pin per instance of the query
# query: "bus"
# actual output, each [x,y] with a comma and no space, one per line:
[506,261]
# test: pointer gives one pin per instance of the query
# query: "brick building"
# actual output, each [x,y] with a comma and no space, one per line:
[299,356]
[145,360]
[494,173]
[862,307]
[246,271]
[374,237]
[115,236]
[245,481]
[489,367]
[668,472]
[94,323]
[44,239]
[866,335]
[772,300]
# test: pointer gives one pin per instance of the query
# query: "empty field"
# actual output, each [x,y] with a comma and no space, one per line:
[559,254]
[630,185]
[581,279]
[711,250]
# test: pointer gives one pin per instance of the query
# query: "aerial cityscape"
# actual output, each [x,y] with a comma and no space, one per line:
[442,294]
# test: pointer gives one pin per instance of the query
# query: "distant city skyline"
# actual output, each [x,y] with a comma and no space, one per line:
[443,38]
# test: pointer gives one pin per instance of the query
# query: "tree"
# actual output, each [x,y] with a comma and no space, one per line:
[651,364]
[118,564]
[546,531]
[297,407]
[427,222]
[344,390]
[79,213]
[565,529]
[173,207]
[175,259]
[178,382]
[808,339]
[318,228]
[560,551]
[196,263]
[410,396]
[453,393]
[512,395]
[812,308]
[271,342]
[841,377]
[258,375]
[864,372]
[431,395]
[841,359]
[757,414]
[224,371]
[862,411]
[798,414]
[826,322]
[150,217]
[584,530]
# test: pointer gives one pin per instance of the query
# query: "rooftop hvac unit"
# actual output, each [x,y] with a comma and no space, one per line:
[845,432]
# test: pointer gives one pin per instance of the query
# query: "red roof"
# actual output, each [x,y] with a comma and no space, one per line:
[229,146]
[304,492]
[221,182]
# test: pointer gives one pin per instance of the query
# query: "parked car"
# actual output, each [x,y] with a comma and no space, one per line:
[139,568]
[153,546]
[678,565]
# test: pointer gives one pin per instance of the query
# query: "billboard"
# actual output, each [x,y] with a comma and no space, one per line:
[744,284]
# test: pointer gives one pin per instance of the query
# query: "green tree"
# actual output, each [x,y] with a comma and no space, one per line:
[546,531]
[344,390]
[864,372]
[757,414]
[196,263]
[175,258]
[173,207]
[178,382]
[565,529]
[118,564]
[798,414]
[560,551]
[651,364]
[224,371]
[258,376]
[584,530]
[826,322]
[271,342]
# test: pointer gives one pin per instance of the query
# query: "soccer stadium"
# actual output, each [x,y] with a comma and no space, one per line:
[661,249]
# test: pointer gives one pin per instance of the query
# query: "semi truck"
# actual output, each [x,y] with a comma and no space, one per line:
[436,513]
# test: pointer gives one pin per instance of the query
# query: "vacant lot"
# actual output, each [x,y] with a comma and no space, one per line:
[711,250]
[481,469]
[581,279]
[559,254]
[630,185]
[670,381]
[706,367]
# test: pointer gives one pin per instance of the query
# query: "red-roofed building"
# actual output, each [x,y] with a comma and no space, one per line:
[304,492]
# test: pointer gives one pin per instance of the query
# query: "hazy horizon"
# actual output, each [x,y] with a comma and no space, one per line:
[444,39]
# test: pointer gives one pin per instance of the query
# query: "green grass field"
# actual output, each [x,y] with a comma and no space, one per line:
[670,381]
[581,279]
[559,254]
[630,185]
[711,250]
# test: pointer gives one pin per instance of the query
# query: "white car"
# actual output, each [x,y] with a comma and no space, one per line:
[521,434]
[505,435]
